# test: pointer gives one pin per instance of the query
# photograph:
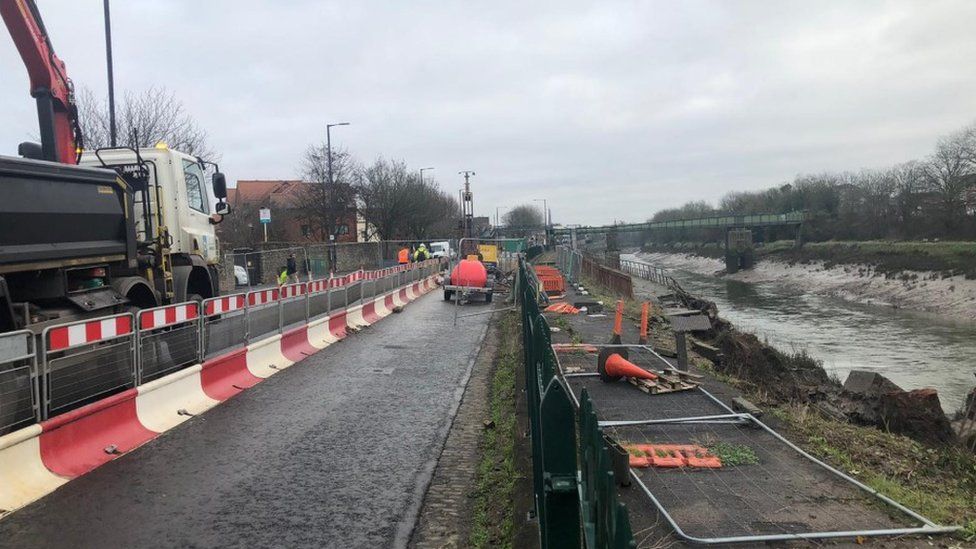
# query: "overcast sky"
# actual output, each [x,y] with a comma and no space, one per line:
[610,110]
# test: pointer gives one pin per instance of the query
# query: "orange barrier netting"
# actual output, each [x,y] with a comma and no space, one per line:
[671,455]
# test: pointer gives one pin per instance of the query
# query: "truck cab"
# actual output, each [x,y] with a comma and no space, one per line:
[179,211]
[126,229]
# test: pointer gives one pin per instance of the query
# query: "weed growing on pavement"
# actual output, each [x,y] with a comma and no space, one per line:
[497,475]
[733,454]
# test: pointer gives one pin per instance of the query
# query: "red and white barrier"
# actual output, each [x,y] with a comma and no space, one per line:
[262,297]
[161,317]
[38,459]
[225,304]
[60,338]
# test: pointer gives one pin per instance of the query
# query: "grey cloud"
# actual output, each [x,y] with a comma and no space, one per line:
[607,109]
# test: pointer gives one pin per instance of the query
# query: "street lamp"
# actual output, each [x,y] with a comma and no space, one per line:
[111,77]
[545,216]
[496,214]
[328,146]
[328,161]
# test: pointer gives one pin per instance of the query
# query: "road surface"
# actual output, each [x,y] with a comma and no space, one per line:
[333,452]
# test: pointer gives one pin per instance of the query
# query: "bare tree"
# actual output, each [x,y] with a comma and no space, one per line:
[397,204]
[953,160]
[143,120]
[524,220]
[327,205]
[910,182]
[383,198]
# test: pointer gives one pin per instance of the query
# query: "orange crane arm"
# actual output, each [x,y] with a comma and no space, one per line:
[61,139]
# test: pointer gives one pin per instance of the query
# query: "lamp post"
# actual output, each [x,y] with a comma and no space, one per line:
[422,170]
[111,78]
[545,216]
[328,163]
[496,215]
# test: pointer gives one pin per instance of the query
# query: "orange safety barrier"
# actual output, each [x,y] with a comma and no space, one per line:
[552,281]
[563,308]
[671,455]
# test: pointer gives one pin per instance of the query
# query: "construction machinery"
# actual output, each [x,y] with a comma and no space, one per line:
[91,232]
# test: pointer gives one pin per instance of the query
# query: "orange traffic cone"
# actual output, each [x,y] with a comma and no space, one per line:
[612,364]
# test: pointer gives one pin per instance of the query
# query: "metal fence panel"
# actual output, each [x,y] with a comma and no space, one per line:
[87,360]
[264,314]
[224,323]
[19,399]
[294,305]
[168,340]
[354,292]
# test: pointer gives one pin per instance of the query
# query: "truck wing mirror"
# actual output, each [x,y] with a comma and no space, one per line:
[219,186]
[222,208]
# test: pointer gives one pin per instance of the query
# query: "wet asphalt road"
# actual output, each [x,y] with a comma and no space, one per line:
[333,452]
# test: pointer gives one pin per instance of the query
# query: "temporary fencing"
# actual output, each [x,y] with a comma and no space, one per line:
[168,339]
[575,495]
[577,265]
[19,395]
[86,360]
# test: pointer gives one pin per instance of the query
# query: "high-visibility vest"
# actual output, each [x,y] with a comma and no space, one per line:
[404,256]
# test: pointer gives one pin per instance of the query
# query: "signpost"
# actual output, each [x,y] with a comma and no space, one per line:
[265,215]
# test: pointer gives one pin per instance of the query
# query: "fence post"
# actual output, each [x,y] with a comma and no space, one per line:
[558,423]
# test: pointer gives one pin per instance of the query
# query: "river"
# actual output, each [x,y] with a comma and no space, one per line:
[912,349]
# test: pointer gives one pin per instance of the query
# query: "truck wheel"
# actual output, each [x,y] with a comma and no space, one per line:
[447,295]
[488,297]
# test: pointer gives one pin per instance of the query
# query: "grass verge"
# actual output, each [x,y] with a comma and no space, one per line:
[939,483]
[497,474]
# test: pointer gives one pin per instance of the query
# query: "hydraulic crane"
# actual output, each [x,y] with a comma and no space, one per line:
[124,229]
[61,138]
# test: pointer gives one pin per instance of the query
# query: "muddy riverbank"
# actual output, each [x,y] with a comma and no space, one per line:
[952,297]
[913,349]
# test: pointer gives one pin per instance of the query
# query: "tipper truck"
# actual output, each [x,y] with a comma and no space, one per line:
[89,233]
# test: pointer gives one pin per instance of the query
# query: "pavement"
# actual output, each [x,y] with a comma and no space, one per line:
[335,451]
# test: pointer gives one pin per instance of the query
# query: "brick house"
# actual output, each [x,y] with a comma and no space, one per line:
[283,197]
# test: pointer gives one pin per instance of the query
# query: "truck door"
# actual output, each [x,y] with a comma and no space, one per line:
[198,232]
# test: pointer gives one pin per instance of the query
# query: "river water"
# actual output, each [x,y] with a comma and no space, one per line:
[912,349]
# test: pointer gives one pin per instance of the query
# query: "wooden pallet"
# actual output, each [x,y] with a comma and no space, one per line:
[668,381]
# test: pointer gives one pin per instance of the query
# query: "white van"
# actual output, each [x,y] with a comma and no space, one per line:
[441,249]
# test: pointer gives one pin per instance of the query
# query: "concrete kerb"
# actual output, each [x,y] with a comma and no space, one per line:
[38,459]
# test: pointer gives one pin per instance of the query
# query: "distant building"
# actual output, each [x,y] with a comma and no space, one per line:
[283,198]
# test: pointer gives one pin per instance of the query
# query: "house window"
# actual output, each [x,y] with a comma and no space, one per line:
[343,229]
[306,231]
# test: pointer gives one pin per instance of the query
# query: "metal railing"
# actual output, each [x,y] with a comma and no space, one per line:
[83,361]
[576,265]
[575,496]
[19,393]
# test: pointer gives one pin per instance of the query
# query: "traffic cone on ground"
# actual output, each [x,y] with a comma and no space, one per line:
[612,364]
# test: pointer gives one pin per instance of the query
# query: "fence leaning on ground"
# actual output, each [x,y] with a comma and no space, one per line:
[576,265]
[76,363]
[574,493]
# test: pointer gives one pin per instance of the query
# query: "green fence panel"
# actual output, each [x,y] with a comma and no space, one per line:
[566,445]
[561,499]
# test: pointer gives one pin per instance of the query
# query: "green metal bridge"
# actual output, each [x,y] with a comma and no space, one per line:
[719,222]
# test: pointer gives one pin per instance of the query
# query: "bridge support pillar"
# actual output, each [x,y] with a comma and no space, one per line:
[739,252]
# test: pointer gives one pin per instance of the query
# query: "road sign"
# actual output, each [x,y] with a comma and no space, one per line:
[265,215]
